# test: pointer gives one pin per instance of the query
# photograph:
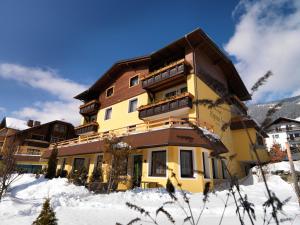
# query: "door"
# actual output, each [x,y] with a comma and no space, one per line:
[137,170]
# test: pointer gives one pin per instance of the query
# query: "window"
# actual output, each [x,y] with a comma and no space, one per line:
[186,163]
[215,168]
[134,81]
[99,161]
[297,134]
[91,118]
[78,164]
[123,166]
[63,164]
[183,90]
[158,164]
[224,170]
[259,140]
[108,114]
[59,128]
[170,94]
[132,105]
[205,163]
[275,136]
[110,92]
[38,137]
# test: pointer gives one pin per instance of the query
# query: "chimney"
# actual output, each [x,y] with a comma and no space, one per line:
[36,123]
[30,123]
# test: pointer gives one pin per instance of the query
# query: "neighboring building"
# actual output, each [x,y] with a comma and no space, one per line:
[30,143]
[9,126]
[148,100]
[284,130]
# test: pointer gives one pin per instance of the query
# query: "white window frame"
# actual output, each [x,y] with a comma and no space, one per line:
[129,102]
[136,75]
[195,174]
[105,113]
[150,162]
[106,91]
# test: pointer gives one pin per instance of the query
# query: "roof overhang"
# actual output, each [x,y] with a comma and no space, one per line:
[197,38]
[163,137]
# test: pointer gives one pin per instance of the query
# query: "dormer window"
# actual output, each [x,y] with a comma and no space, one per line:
[134,81]
[110,92]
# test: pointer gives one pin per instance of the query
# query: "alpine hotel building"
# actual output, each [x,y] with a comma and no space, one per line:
[149,102]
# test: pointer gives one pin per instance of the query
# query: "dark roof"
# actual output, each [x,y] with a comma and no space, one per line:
[109,75]
[283,119]
[164,137]
[42,125]
[194,39]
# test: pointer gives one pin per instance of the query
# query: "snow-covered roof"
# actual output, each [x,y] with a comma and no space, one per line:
[16,124]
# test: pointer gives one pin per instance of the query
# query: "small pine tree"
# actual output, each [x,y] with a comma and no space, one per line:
[52,164]
[47,215]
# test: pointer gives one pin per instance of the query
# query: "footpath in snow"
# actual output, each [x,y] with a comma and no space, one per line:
[76,205]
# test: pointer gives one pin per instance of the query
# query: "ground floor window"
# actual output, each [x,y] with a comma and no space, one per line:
[63,164]
[29,168]
[224,169]
[78,164]
[205,163]
[158,163]
[186,163]
[215,168]
[99,161]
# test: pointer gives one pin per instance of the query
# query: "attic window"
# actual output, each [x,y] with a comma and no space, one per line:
[134,81]
[109,92]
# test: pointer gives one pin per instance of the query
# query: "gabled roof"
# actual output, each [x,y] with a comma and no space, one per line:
[29,129]
[196,38]
[283,119]
[13,123]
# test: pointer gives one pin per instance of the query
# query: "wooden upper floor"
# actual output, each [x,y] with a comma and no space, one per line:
[160,83]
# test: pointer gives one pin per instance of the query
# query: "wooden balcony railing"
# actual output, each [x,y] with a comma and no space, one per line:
[87,128]
[89,107]
[166,76]
[153,125]
[167,105]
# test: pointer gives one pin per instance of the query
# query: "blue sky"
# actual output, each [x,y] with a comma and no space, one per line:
[75,41]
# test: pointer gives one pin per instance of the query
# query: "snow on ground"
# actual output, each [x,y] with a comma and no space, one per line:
[75,205]
[285,166]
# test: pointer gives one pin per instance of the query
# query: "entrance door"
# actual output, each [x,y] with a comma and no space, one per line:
[137,170]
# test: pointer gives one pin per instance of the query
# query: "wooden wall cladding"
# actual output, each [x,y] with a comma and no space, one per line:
[122,91]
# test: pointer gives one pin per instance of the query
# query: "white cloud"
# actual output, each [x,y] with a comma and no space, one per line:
[266,38]
[65,108]
[47,80]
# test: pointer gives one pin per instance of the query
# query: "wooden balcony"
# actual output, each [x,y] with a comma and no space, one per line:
[165,77]
[87,128]
[173,104]
[149,126]
[89,107]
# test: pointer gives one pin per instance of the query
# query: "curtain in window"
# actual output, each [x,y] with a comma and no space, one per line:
[186,163]
[158,164]
[206,165]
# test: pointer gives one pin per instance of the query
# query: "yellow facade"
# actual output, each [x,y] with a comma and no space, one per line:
[239,156]
[236,141]
[195,184]
[120,116]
